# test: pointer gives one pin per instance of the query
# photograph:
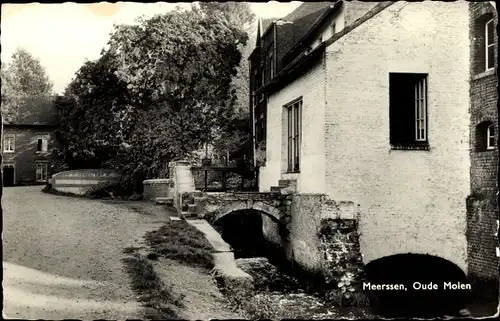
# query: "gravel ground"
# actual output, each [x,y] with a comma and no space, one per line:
[62,255]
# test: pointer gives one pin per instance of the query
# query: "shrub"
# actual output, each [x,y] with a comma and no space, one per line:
[104,189]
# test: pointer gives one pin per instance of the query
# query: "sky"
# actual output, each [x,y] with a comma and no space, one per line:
[62,36]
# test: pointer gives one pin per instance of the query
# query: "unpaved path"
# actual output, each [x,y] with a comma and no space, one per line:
[203,300]
[63,256]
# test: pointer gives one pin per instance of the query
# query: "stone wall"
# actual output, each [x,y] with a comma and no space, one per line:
[154,188]
[343,261]
[181,182]
[322,237]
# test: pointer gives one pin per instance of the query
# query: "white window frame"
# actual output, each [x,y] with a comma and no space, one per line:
[294,134]
[43,166]
[490,137]
[10,143]
[45,144]
[421,110]
[487,46]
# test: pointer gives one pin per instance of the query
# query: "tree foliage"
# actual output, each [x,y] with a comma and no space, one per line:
[24,76]
[160,90]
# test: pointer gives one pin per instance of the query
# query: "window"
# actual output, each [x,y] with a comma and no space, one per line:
[262,128]
[41,171]
[294,123]
[9,144]
[490,45]
[271,66]
[485,136]
[408,111]
[484,45]
[41,145]
[255,79]
[490,137]
[334,28]
[320,39]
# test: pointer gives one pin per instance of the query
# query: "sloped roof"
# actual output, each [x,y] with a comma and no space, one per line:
[266,23]
[34,111]
[302,19]
[307,15]
[306,9]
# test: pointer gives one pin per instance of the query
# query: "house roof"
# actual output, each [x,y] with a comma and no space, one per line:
[305,26]
[266,23]
[306,59]
[305,16]
[305,9]
[34,111]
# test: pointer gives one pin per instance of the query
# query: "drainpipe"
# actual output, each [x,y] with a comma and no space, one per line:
[252,111]
[1,152]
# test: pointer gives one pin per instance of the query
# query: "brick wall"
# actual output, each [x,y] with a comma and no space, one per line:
[311,86]
[25,156]
[483,207]
[415,199]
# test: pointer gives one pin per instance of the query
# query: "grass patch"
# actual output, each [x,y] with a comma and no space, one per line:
[179,241]
[159,299]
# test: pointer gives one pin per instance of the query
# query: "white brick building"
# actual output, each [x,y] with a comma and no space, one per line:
[371,105]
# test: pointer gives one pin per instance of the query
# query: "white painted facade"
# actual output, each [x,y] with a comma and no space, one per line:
[410,201]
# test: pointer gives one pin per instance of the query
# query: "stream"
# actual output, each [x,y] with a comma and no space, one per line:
[277,294]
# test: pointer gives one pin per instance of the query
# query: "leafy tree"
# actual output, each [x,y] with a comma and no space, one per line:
[161,87]
[29,75]
[235,137]
[95,113]
[24,76]
[182,61]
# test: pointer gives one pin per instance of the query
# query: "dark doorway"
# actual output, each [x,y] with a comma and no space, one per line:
[8,175]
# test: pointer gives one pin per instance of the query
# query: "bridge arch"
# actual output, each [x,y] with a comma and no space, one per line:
[430,285]
[235,206]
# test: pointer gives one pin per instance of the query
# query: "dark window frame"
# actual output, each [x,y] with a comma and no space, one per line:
[408,111]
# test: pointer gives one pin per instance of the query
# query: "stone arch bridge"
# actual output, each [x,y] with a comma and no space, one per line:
[214,206]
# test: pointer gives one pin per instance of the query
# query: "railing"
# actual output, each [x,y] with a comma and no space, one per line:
[225,178]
